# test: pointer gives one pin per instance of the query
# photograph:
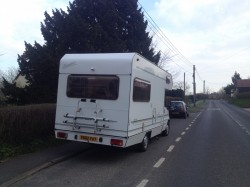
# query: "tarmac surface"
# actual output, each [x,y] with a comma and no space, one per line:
[20,167]
[248,109]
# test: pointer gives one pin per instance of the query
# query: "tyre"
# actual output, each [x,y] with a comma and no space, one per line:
[167,130]
[185,115]
[143,146]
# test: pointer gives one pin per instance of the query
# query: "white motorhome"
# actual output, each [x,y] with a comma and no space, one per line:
[114,99]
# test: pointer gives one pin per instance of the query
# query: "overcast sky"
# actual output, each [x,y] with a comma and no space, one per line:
[213,35]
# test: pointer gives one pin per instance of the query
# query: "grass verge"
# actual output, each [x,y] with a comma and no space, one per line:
[244,103]
[199,106]
[25,129]
[7,150]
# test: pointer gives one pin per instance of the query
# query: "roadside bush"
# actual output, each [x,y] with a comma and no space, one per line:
[22,124]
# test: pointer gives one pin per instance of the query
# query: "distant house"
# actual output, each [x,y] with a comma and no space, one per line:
[21,81]
[243,86]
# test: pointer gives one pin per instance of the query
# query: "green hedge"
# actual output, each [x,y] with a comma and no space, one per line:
[244,103]
[22,124]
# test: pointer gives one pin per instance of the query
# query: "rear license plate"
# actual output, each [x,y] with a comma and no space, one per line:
[89,138]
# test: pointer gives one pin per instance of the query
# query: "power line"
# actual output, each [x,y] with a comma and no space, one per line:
[198,75]
[166,55]
[216,83]
[169,44]
[156,30]
[236,53]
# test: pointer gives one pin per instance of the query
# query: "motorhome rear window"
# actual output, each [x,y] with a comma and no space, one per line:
[141,91]
[93,87]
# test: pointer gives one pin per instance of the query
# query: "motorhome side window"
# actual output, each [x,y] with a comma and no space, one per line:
[141,90]
[93,87]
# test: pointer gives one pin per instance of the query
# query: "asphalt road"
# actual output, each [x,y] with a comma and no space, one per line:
[210,148]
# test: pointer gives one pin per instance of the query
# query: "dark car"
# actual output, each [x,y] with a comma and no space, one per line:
[178,108]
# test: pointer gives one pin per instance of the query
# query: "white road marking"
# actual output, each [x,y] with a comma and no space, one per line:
[238,123]
[187,128]
[213,109]
[183,133]
[190,125]
[143,183]
[192,122]
[178,139]
[160,161]
[170,149]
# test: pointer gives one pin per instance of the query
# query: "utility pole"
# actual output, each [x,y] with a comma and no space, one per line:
[184,86]
[194,85]
[204,90]
[204,87]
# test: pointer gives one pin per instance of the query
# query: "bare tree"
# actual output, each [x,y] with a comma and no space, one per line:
[165,58]
[1,73]
[180,85]
[221,93]
[10,74]
[208,90]
[1,79]
[1,85]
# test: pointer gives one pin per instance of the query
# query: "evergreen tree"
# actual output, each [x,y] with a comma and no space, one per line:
[235,78]
[179,93]
[228,89]
[88,26]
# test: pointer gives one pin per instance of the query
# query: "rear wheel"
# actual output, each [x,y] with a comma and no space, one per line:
[167,130]
[185,115]
[143,146]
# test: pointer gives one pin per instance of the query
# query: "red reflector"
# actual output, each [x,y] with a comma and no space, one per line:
[116,142]
[62,135]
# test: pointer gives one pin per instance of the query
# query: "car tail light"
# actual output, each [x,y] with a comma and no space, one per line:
[62,135]
[116,142]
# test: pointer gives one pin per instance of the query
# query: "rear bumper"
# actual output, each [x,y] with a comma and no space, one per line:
[176,113]
[91,138]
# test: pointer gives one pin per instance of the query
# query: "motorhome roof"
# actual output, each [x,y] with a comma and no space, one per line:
[92,63]
[106,63]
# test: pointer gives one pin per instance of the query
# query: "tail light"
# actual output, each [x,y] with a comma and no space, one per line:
[116,142]
[62,135]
